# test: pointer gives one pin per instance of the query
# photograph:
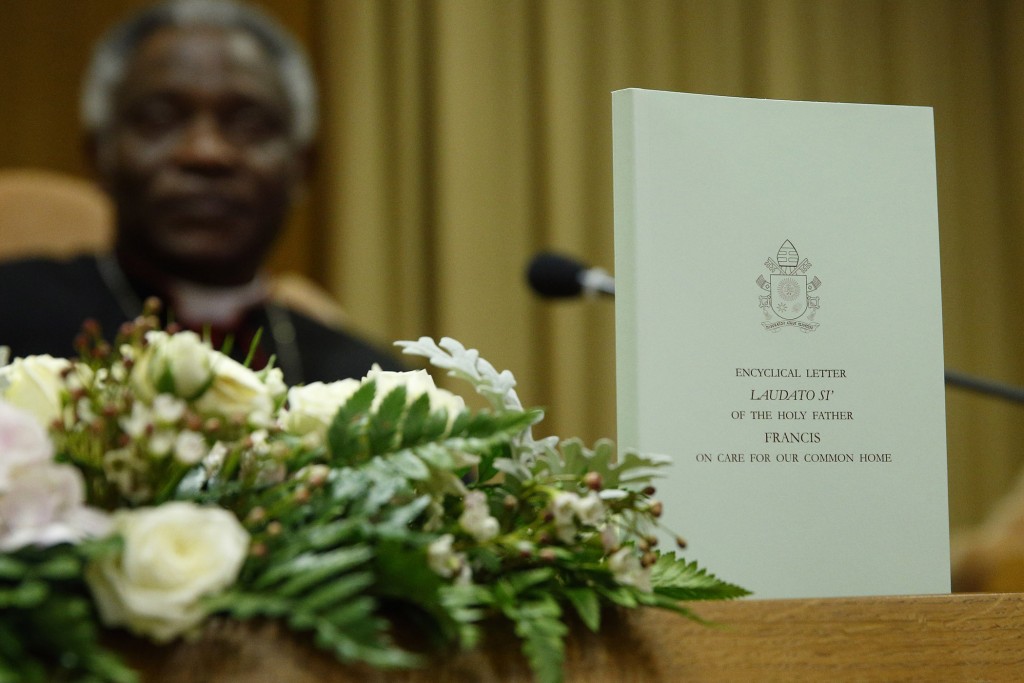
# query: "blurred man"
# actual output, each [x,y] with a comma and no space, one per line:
[200,117]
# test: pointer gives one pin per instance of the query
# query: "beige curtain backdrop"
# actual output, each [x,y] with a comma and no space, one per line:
[462,136]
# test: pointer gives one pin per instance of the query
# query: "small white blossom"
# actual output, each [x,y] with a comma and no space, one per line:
[118,372]
[189,448]
[563,507]
[627,569]
[589,509]
[138,422]
[465,576]
[315,474]
[122,469]
[563,510]
[79,378]
[84,410]
[161,443]
[168,409]
[260,441]
[214,460]
[441,559]
[609,538]
[476,518]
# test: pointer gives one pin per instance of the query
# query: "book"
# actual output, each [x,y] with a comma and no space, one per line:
[779,334]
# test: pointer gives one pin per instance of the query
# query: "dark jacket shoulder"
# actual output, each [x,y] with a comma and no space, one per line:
[330,354]
[43,303]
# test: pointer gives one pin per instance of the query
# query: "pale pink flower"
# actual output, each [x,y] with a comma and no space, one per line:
[45,505]
[23,440]
[42,503]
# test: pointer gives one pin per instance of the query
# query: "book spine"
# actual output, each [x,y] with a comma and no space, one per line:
[624,192]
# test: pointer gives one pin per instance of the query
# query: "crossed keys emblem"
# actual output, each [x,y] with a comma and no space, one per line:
[788,299]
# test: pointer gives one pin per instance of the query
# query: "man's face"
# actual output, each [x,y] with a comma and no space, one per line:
[200,158]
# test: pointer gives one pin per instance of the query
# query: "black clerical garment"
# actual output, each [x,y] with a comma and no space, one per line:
[43,304]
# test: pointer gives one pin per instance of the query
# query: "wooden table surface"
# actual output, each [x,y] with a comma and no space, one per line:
[970,637]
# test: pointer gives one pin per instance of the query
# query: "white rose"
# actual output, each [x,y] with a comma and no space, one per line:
[177,364]
[417,383]
[184,365]
[23,440]
[237,391]
[35,384]
[312,407]
[173,556]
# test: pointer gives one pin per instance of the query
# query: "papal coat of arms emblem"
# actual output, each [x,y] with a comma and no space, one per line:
[789,302]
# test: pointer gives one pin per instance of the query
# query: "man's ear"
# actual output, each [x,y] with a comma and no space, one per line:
[97,153]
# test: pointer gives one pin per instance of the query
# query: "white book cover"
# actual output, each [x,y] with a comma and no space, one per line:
[779,334]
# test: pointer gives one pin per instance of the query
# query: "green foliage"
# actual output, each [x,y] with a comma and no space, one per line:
[572,460]
[323,591]
[587,604]
[399,512]
[677,579]
[539,624]
[47,624]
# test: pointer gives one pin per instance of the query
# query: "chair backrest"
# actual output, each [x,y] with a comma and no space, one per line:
[45,213]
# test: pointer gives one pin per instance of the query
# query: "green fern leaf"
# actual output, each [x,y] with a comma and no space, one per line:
[409,466]
[335,591]
[587,605]
[675,578]
[345,435]
[415,420]
[382,429]
[539,624]
[291,577]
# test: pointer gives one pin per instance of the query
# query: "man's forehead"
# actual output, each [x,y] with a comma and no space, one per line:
[202,57]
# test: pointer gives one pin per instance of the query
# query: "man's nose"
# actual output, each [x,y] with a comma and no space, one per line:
[204,145]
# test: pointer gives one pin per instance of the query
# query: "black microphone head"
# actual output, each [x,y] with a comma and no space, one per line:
[555,275]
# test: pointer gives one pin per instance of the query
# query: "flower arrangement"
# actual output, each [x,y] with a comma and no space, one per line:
[154,483]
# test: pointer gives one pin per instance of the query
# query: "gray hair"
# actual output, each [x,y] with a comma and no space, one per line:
[112,54]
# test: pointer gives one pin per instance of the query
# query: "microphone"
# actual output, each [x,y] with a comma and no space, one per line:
[990,387]
[557,276]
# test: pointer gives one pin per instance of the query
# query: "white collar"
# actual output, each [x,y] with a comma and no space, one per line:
[196,304]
